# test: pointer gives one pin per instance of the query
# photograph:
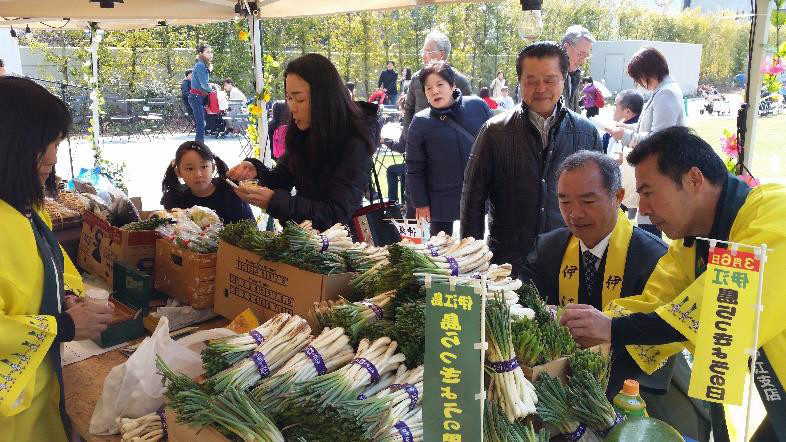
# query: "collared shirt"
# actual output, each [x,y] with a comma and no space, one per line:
[599,250]
[543,124]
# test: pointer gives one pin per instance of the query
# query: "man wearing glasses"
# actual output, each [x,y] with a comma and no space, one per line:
[577,42]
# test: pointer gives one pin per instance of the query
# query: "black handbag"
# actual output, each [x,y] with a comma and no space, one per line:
[373,224]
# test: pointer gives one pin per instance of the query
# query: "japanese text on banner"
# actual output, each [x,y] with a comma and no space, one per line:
[725,327]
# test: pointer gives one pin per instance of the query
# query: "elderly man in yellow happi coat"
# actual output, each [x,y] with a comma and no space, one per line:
[687,193]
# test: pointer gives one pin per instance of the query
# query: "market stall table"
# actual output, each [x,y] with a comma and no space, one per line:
[84,382]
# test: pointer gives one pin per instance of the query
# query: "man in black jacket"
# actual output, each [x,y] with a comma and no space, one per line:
[515,157]
[388,79]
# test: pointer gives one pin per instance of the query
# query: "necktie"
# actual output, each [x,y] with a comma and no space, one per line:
[590,271]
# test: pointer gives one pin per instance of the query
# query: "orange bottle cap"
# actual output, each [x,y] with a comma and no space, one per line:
[630,387]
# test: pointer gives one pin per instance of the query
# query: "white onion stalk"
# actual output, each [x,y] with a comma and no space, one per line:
[225,352]
[409,429]
[147,428]
[268,357]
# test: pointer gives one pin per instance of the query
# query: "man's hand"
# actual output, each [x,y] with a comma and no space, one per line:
[243,171]
[258,196]
[90,319]
[616,133]
[587,325]
[423,213]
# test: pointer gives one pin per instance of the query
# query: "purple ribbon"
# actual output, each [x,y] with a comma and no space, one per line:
[504,366]
[259,359]
[362,397]
[454,267]
[411,391]
[325,243]
[619,417]
[316,359]
[162,417]
[375,308]
[433,249]
[258,338]
[372,371]
[404,431]
[576,435]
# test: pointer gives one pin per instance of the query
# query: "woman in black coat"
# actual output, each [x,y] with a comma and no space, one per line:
[328,151]
[438,146]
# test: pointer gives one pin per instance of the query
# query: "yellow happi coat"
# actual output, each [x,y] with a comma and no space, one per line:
[673,290]
[29,391]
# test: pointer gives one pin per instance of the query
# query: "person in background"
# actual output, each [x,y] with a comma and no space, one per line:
[200,88]
[486,96]
[591,97]
[204,175]
[396,173]
[351,88]
[388,80]
[436,47]
[438,146]
[185,87]
[406,78]
[627,107]
[233,93]
[40,290]
[378,97]
[648,68]
[496,85]
[577,42]
[3,70]
[328,151]
[516,155]
[505,101]
[279,117]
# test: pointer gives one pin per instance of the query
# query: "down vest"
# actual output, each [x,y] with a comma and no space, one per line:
[509,166]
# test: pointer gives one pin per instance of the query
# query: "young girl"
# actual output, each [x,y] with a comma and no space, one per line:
[196,164]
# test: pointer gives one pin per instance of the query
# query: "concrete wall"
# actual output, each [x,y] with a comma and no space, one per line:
[610,60]
[9,52]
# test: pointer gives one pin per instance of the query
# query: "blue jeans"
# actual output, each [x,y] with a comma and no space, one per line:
[197,104]
[395,173]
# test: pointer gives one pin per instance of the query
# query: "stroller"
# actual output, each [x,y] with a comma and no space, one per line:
[214,117]
[714,102]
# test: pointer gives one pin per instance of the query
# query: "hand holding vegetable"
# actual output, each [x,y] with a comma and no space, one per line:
[587,325]
[90,319]
[243,171]
[258,196]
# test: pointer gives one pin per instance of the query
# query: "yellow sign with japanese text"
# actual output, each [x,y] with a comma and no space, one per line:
[726,323]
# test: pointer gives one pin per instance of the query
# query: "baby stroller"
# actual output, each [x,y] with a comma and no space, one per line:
[715,102]
[214,117]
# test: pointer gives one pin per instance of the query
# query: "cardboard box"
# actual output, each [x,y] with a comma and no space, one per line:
[244,280]
[558,368]
[131,295]
[179,432]
[185,275]
[101,245]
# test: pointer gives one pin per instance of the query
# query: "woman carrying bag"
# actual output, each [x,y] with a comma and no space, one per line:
[200,89]
[438,147]
[328,151]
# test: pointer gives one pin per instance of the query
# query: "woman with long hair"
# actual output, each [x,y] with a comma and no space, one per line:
[328,151]
[39,286]
[200,88]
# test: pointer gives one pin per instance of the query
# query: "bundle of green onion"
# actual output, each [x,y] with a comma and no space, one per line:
[589,403]
[409,428]
[508,386]
[530,297]
[267,358]
[497,428]
[598,365]
[557,341]
[527,341]
[222,353]
[555,409]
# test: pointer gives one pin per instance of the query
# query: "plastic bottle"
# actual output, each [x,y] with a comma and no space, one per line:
[628,402]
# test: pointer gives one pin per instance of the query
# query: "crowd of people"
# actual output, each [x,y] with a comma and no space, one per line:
[554,192]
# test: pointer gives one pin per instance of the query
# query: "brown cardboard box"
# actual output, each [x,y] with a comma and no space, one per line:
[244,280]
[101,245]
[178,432]
[558,368]
[185,275]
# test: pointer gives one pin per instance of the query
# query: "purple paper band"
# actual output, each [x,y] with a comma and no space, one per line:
[433,249]
[504,366]
[316,359]
[258,338]
[162,417]
[404,431]
[259,359]
[375,308]
[576,435]
[411,391]
[362,397]
[617,419]
[325,243]
[454,267]
[372,371]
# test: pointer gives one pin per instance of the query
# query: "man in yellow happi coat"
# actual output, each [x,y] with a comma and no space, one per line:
[686,191]
[36,277]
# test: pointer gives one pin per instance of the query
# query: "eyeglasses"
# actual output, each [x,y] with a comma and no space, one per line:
[425,52]
[582,54]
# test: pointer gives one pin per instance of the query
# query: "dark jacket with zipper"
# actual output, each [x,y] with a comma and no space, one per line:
[510,167]
[437,154]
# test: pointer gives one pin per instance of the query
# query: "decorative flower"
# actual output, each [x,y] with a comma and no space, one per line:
[773,66]
[254,110]
[729,144]
[752,182]
[242,35]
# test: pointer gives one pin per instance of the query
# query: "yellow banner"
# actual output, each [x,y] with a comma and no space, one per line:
[725,327]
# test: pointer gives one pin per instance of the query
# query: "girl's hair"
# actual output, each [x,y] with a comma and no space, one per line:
[27,127]
[334,118]
[441,68]
[171,183]
[407,74]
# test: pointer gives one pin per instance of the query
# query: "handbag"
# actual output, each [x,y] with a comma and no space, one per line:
[373,224]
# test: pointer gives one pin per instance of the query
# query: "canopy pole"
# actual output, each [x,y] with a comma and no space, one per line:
[761,22]
[256,39]
[94,93]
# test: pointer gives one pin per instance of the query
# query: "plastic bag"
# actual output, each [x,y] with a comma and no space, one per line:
[134,388]
[108,201]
